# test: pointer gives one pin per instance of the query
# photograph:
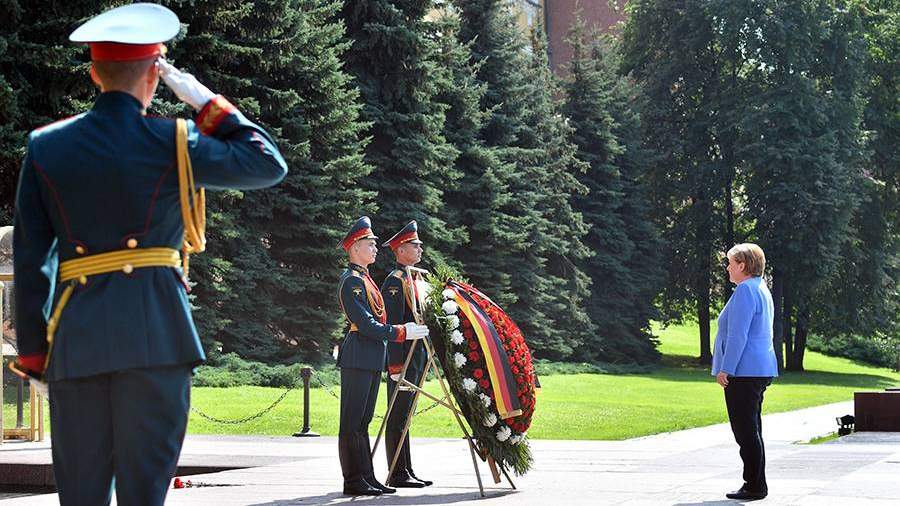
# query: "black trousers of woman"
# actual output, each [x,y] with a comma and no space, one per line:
[744,398]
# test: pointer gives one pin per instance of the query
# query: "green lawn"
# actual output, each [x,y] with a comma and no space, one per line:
[678,395]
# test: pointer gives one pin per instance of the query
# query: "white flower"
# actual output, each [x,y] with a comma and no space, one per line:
[457,337]
[453,322]
[490,420]
[459,359]
[485,400]
[515,439]
[450,307]
[448,294]
[504,433]
[469,385]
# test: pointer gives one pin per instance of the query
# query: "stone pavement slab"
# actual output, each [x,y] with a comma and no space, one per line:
[693,467]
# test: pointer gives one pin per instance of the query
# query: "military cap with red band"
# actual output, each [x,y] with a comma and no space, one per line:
[362,229]
[409,233]
[128,33]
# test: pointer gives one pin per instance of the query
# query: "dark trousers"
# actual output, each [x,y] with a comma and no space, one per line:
[359,391]
[119,430]
[395,424]
[744,398]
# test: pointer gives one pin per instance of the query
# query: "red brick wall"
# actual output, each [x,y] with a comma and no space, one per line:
[560,14]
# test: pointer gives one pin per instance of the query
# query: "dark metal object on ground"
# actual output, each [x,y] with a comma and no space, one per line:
[877,411]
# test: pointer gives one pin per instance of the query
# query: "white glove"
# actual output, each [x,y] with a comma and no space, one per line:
[395,377]
[40,387]
[415,331]
[185,86]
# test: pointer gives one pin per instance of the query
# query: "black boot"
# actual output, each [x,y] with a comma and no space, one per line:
[407,458]
[367,470]
[399,478]
[354,484]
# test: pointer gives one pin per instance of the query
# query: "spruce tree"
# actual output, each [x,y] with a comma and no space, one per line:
[557,241]
[476,202]
[393,62]
[43,77]
[621,236]
[268,279]
[527,132]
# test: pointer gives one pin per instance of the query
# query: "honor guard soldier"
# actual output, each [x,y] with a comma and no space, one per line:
[399,288]
[102,311]
[362,358]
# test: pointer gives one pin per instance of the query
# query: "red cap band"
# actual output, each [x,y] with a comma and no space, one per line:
[360,234]
[403,239]
[114,51]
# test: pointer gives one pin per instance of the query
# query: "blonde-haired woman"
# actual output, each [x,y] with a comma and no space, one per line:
[744,362]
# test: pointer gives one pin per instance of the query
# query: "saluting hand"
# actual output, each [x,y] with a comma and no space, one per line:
[185,86]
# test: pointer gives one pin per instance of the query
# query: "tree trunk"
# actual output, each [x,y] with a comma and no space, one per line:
[703,315]
[778,323]
[729,232]
[787,329]
[703,321]
[800,336]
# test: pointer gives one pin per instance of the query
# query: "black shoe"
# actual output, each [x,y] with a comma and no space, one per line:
[746,495]
[424,483]
[360,487]
[406,483]
[378,485]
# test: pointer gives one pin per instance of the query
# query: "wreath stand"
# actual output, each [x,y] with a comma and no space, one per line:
[446,401]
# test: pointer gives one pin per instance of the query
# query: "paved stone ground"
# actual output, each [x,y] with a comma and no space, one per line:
[692,467]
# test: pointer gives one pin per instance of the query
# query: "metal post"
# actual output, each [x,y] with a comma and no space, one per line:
[20,393]
[306,373]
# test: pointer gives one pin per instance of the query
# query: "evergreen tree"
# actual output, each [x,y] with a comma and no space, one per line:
[393,62]
[561,287]
[43,77]
[476,202]
[623,269]
[528,133]
[266,284]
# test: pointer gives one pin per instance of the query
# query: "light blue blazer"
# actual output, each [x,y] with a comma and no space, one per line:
[744,340]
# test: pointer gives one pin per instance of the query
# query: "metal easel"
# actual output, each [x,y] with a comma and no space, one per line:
[446,401]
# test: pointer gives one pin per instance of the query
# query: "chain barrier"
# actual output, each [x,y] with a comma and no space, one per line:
[330,391]
[260,414]
[246,419]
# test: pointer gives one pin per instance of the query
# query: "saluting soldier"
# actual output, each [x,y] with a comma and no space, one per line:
[98,229]
[399,288]
[362,358]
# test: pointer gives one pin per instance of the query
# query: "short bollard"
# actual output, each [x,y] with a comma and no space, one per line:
[305,373]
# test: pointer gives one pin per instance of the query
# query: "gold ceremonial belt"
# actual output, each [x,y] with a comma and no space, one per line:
[126,260]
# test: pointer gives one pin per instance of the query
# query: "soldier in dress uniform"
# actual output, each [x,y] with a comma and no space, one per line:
[98,229]
[398,288]
[362,358]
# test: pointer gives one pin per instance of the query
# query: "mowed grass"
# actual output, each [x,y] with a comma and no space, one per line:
[678,395]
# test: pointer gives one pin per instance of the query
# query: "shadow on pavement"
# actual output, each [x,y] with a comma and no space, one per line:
[390,499]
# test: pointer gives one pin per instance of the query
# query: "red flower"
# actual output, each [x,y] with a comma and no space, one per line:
[473,345]
[514,369]
[484,384]
[468,334]
[478,373]
[474,356]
